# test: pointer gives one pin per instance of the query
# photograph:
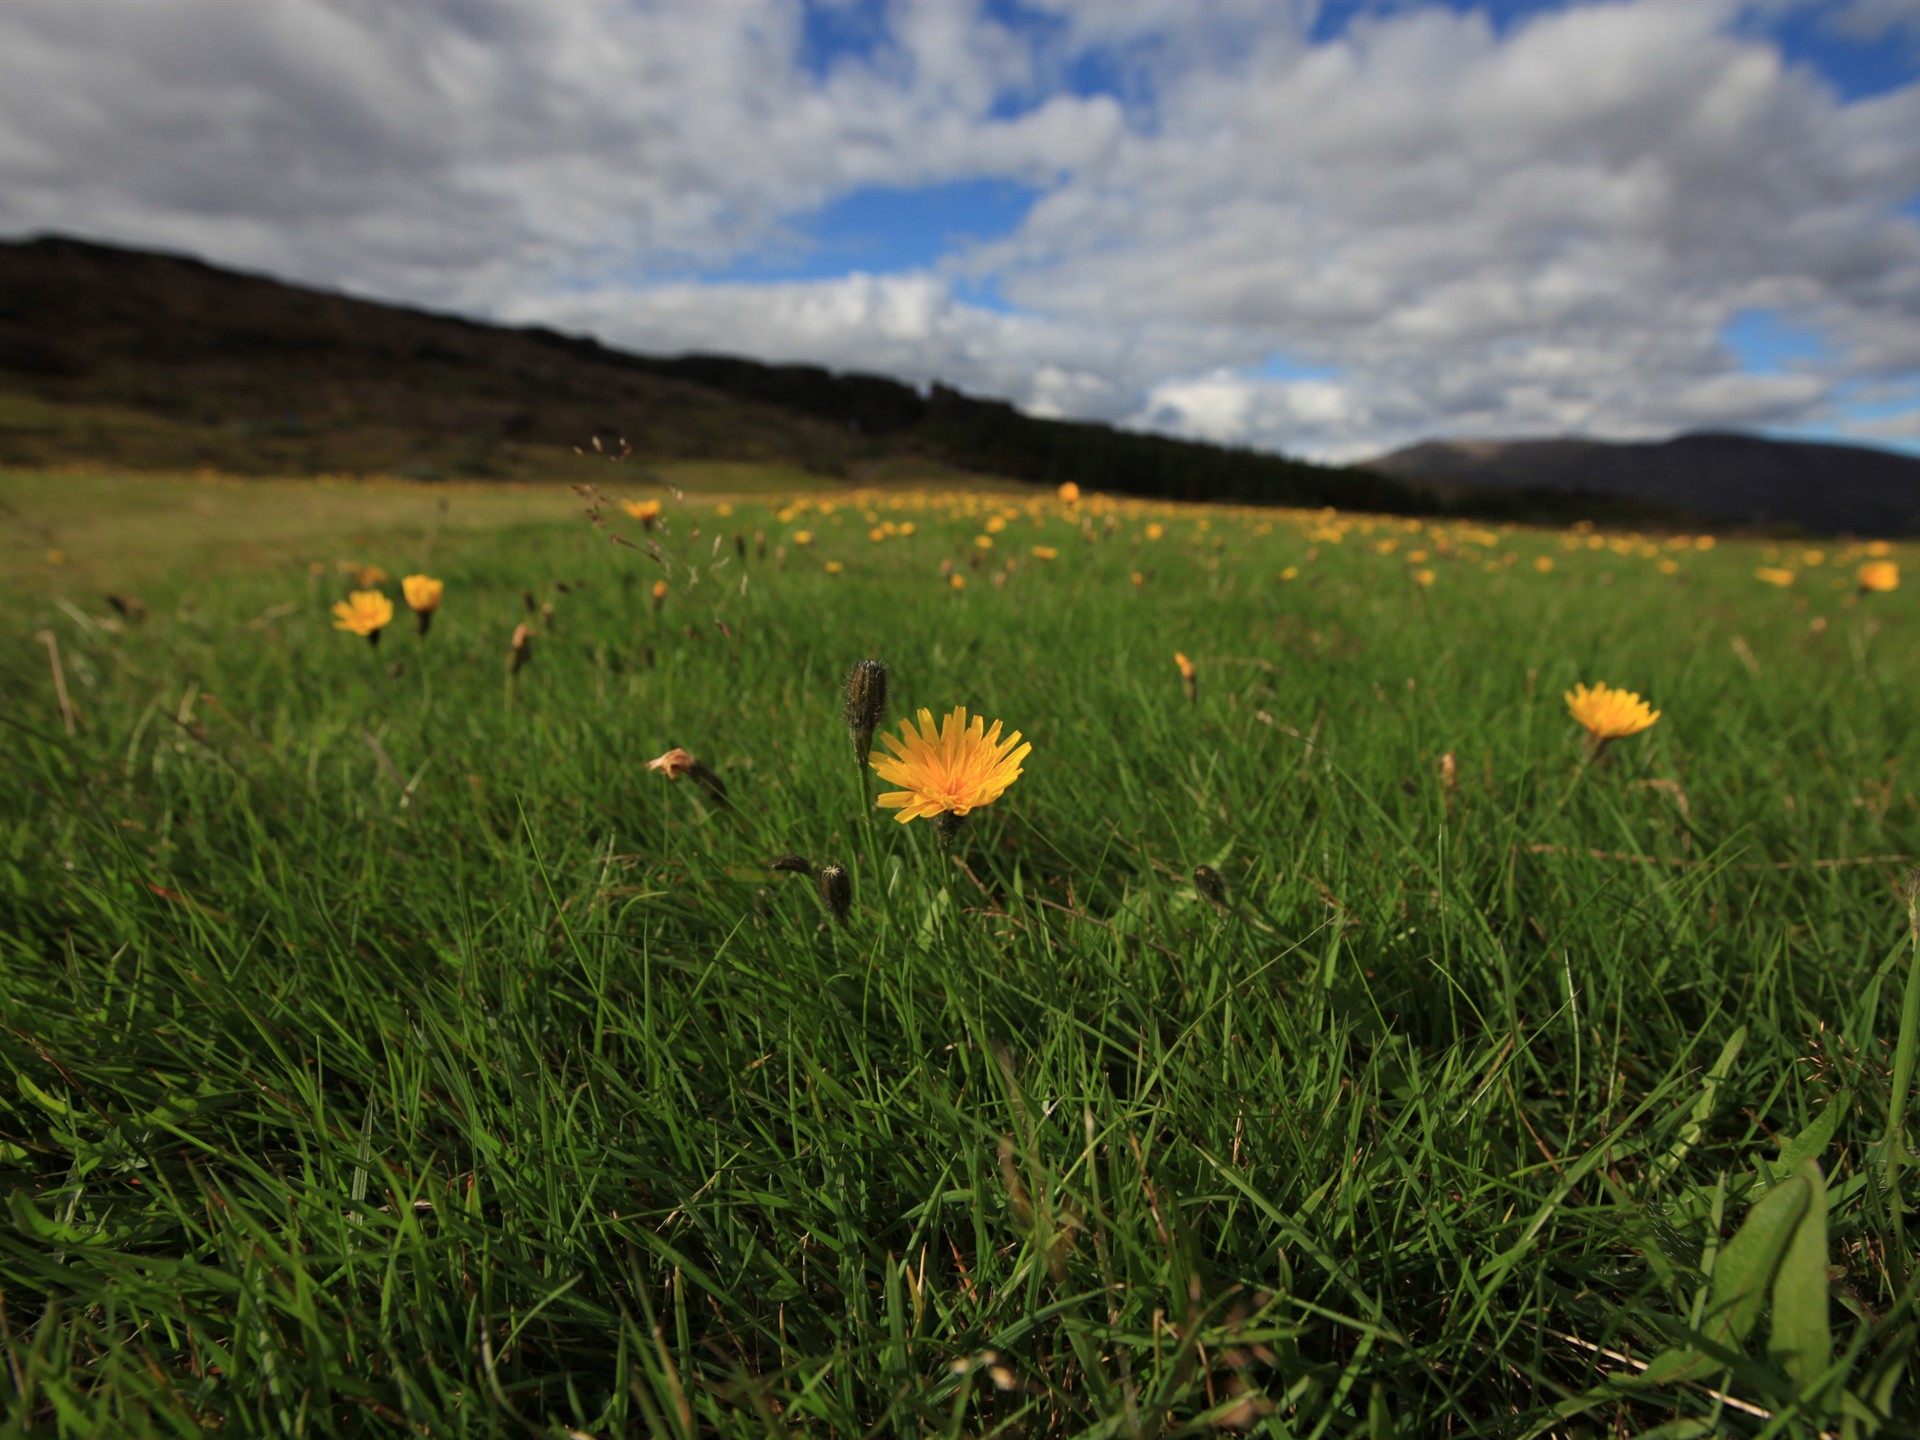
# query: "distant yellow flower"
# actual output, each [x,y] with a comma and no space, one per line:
[1423,577]
[1774,575]
[645,511]
[1069,492]
[995,524]
[983,542]
[1139,580]
[1543,563]
[1414,557]
[423,597]
[1609,714]
[372,575]
[957,581]
[834,567]
[951,770]
[364,612]
[423,593]
[1879,575]
[1155,530]
[1879,549]
[803,537]
[1292,572]
[1045,552]
[659,594]
[723,509]
[876,534]
[906,528]
[1189,677]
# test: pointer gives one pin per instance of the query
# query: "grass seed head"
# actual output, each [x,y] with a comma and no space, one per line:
[866,704]
[522,650]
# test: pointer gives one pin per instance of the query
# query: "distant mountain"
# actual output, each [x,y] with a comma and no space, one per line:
[1730,478]
[144,360]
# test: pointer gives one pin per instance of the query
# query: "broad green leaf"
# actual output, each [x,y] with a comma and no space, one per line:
[1801,1341]
[1747,1263]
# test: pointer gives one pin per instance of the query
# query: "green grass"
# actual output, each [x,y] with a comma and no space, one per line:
[393,1053]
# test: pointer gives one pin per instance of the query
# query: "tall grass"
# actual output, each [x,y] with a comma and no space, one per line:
[396,1053]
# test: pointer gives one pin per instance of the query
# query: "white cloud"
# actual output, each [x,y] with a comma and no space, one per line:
[1465,228]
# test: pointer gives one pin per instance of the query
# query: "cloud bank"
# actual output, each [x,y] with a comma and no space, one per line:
[1262,223]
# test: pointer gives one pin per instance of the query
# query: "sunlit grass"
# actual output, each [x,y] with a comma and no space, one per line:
[1313,1038]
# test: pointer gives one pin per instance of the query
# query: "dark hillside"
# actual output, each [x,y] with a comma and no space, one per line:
[142,359]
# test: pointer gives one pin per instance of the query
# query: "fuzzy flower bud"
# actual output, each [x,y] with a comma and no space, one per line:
[836,891]
[866,704]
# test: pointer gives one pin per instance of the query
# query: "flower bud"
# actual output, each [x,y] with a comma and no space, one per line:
[866,704]
[792,864]
[836,891]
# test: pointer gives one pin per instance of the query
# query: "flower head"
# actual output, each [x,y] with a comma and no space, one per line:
[1879,575]
[950,769]
[1069,492]
[364,612]
[1189,678]
[1609,714]
[1774,575]
[423,593]
[423,597]
[645,511]
[1045,552]
[675,763]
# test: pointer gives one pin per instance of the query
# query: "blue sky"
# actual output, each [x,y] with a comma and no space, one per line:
[1324,228]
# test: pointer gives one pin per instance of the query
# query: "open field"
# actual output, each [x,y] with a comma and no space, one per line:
[393,1051]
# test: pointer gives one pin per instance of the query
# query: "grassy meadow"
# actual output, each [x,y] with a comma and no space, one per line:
[393,1051]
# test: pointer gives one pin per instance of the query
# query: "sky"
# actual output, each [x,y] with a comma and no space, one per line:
[1323,227]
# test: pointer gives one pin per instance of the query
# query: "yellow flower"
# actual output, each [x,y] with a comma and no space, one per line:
[958,582]
[723,509]
[1543,563]
[659,595]
[645,511]
[1423,577]
[834,567]
[1879,575]
[1774,575]
[1184,665]
[1292,572]
[372,575]
[877,534]
[1609,714]
[1069,492]
[803,537]
[364,612]
[1138,580]
[952,770]
[1155,530]
[1045,552]
[423,593]
[983,542]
